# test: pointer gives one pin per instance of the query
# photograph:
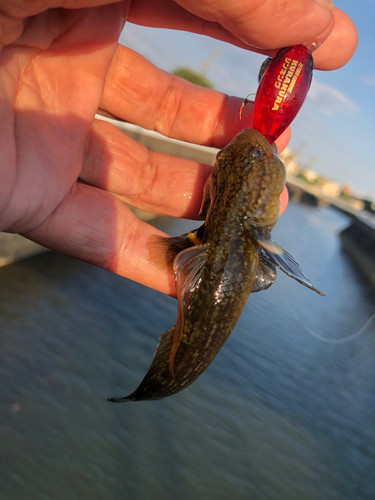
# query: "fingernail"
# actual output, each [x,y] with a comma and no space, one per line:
[327,4]
[318,40]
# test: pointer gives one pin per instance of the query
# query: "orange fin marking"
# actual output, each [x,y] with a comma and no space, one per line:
[194,239]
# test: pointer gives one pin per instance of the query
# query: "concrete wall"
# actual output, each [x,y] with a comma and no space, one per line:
[359,241]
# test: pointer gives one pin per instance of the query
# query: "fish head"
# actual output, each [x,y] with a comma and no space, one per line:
[250,174]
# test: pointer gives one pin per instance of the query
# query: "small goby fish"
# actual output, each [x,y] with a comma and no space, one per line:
[218,265]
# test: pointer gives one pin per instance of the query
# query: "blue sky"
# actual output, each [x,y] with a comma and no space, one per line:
[334,133]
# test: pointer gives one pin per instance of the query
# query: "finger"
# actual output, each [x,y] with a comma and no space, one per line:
[169,104]
[266,24]
[339,46]
[47,23]
[283,140]
[284,198]
[25,8]
[163,102]
[262,27]
[157,183]
[94,226]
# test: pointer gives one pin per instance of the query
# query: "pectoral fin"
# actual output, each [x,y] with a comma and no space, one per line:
[163,251]
[266,274]
[283,259]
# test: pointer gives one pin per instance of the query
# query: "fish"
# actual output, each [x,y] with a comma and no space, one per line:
[218,265]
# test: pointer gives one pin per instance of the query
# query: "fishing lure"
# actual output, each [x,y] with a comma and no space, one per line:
[284,83]
[282,91]
[283,86]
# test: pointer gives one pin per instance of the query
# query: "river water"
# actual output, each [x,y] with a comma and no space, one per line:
[280,413]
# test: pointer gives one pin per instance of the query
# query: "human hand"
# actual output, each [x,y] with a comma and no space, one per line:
[66,175]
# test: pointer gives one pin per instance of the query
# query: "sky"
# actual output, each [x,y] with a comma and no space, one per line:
[334,132]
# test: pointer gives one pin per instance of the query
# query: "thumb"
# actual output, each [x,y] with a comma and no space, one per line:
[266,24]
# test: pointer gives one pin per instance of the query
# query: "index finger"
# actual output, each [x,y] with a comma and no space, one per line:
[138,92]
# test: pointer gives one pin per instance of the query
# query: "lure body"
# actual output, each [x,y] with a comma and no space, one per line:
[283,85]
[282,91]
[218,265]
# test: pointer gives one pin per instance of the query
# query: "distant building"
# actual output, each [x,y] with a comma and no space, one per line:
[326,186]
[355,203]
[308,176]
[329,187]
[347,190]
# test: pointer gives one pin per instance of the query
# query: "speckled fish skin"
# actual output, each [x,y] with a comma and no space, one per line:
[222,264]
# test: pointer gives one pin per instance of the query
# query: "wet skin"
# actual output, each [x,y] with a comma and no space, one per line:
[218,265]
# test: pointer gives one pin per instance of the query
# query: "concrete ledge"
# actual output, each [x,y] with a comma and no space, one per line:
[154,141]
[358,240]
[14,247]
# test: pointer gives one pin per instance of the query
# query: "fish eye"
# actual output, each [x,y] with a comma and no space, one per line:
[254,154]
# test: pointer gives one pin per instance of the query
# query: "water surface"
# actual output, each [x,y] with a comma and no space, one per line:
[279,414]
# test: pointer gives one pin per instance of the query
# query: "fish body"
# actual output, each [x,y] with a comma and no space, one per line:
[218,265]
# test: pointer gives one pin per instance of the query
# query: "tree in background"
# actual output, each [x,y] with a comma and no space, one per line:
[193,77]
[369,205]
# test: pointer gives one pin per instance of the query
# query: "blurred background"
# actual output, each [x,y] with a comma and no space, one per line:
[334,130]
[287,408]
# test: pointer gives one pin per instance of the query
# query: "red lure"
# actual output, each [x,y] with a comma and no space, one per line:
[282,91]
